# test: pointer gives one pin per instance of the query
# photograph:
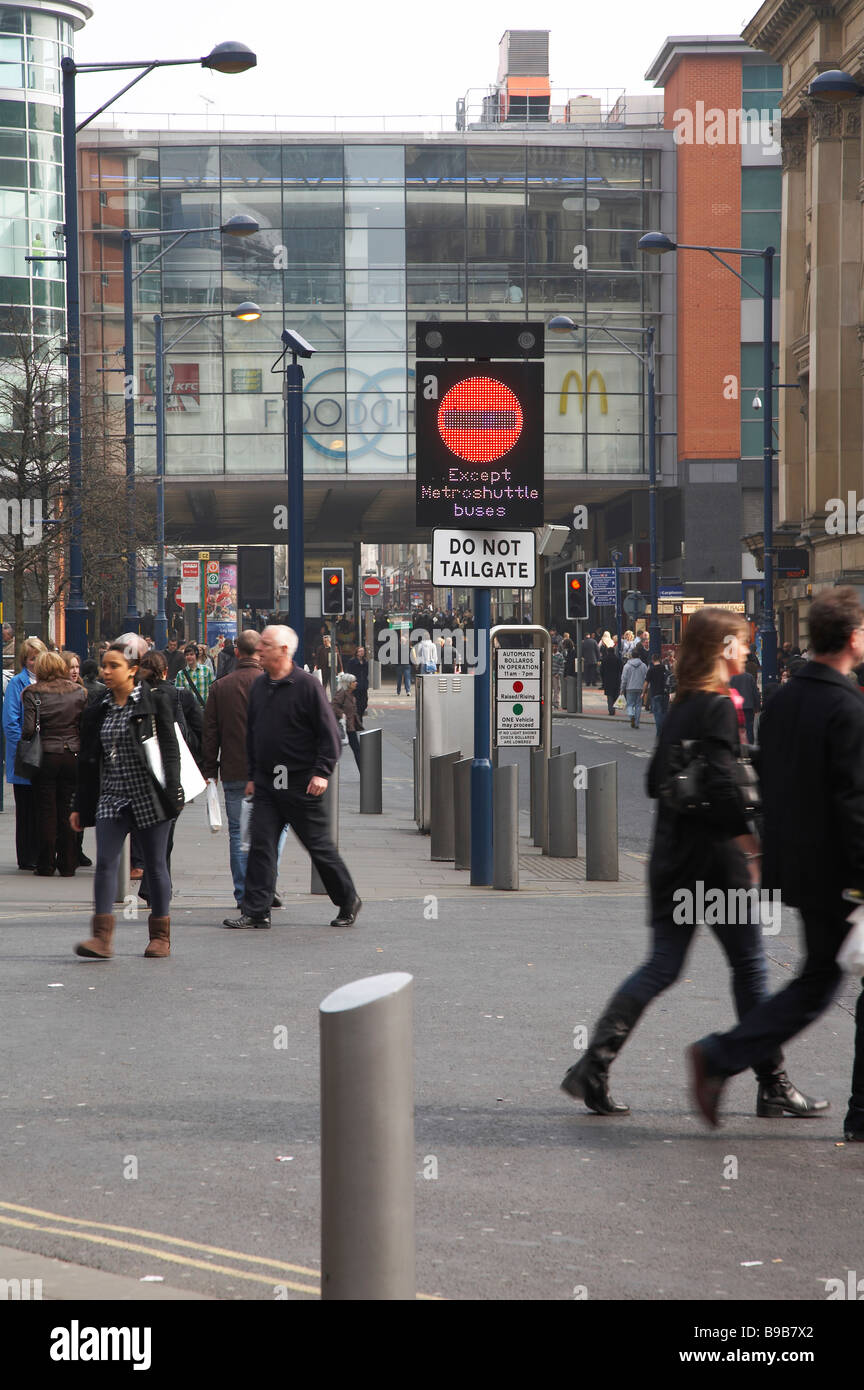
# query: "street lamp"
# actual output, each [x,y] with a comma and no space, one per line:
[298,347]
[658,244]
[226,58]
[246,313]
[562,323]
[238,226]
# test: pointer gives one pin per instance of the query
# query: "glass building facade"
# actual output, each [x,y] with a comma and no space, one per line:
[358,242]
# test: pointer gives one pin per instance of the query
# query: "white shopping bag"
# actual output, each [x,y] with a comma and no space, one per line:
[245,823]
[850,957]
[214,810]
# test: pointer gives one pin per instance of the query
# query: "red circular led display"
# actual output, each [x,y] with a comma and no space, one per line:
[480,419]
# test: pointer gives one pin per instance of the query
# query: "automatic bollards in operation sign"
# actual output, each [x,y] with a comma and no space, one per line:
[367,1140]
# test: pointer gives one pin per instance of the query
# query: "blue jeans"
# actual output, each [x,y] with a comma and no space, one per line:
[111,833]
[658,709]
[403,673]
[634,704]
[234,793]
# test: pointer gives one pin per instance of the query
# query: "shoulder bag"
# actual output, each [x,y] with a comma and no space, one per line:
[192,686]
[28,754]
[191,781]
[682,788]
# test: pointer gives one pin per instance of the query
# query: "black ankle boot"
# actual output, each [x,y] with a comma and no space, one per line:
[588,1079]
[777,1096]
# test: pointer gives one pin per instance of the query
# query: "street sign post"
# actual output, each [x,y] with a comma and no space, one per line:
[483,559]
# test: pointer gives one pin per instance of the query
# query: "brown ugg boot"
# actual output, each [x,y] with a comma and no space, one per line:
[160,937]
[98,947]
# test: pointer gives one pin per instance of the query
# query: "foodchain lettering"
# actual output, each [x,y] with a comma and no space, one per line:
[470,566]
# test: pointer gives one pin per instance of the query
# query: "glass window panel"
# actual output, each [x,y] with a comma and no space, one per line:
[49,176]
[264,204]
[490,216]
[495,169]
[118,167]
[375,331]
[14,232]
[12,203]
[260,334]
[373,287]
[496,283]
[325,373]
[254,414]
[374,165]
[616,210]
[192,278]
[496,244]
[322,208]
[376,411]
[323,453]
[14,291]
[13,144]
[314,286]
[11,50]
[312,164]
[434,247]
[47,321]
[263,287]
[11,20]
[564,453]
[619,168]
[42,79]
[374,248]
[324,413]
[181,211]
[47,205]
[557,289]
[324,329]
[761,189]
[12,114]
[320,246]
[615,453]
[202,454]
[189,411]
[263,254]
[609,250]
[43,117]
[45,146]
[442,208]
[44,25]
[436,285]
[375,207]
[555,167]
[189,165]
[13,173]
[250,165]
[42,51]
[385,453]
[427,166]
[553,248]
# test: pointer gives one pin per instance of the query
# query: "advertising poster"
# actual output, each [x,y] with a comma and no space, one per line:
[182,393]
[221,601]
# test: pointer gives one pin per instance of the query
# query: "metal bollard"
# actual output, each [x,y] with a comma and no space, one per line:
[505,827]
[563,828]
[371,801]
[367,1141]
[124,873]
[416,780]
[462,813]
[331,804]
[442,827]
[374,675]
[571,686]
[538,795]
[601,823]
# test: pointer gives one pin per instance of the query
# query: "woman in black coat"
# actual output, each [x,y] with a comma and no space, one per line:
[610,673]
[227,660]
[118,791]
[692,855]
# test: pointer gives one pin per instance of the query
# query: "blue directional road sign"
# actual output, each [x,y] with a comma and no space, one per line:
[601,587]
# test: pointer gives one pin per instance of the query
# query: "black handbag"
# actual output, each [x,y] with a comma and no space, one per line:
[28,754]
[682,789]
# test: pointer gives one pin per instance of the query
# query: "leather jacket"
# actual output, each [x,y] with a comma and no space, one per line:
[60,705]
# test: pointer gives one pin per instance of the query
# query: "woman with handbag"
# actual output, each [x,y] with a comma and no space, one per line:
[344,706]
[25,803]
[709,845]
[52,708]
[610,671]
[118,791]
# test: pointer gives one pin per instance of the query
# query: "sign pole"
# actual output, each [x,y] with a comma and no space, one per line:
[481,768]
[578,667]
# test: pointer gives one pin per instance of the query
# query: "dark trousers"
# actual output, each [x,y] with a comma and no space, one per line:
[110,835]
[742,946]
[856,1100]
[589,673]
[53,789]
[26,845]
[271,810]
[783,1015]
[362,698]
[354,745]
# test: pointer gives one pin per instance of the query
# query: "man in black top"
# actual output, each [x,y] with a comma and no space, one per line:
[175,658]
[292,747]
[590,661]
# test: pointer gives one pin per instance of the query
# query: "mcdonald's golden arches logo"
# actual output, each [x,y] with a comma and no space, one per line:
[582,393]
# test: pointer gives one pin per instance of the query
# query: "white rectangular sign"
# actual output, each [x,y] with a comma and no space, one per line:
[517,729]
[518,690]
[483,559]
[189,581]
[517,663]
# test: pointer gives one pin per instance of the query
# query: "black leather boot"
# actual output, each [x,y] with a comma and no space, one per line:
[588,1079]
[777,1096]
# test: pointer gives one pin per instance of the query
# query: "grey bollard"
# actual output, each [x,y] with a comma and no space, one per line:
[371,802]
[331,804]
[416,780]
[539,798]
[462,813]
[563,826]
[505,827]
[601,824]
[571,686]
[442,828]
[367,1141]
[374,675]
[124,873]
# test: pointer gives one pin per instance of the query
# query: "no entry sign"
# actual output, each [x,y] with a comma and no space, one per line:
[483,559]
[372,585]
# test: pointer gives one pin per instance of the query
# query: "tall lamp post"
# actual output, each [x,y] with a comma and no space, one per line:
[226,58]
[238,226]
[247,313]
[658,244]
[562,323]
[298,347]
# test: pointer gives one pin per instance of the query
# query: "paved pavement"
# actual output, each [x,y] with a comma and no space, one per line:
[152,1129]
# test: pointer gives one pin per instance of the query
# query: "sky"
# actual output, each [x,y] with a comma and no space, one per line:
[386,56]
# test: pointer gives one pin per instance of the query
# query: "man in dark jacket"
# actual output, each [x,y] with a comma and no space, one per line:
[590,661]
[175,658]
[811,761]
[358,667]
[224,745]
[292,746]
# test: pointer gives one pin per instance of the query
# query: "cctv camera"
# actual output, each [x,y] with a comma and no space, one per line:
[757,402]
[297,343]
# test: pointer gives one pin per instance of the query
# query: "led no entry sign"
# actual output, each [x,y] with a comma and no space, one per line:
[479,444]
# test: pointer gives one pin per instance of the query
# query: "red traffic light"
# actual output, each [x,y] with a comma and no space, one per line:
[575,584]
[334,579]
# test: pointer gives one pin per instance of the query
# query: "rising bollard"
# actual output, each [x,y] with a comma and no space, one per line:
[462,813]
[539,826]
[442,828]
[505,823]
[367,1140]
[601,824]
[563,832]
[331,804]
[371,801]
[571,688]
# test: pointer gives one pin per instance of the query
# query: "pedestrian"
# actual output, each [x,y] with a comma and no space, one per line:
[610,671]
[153,669]
[633,684]
[403,673]
[175,659]
[25,803]
[54,703]
[194,676]
[426,655]
[118,791]
[293,745]
[359,667]
[747,688]
[227,660]
[557,673]
[323,657]
[205,661]
[714,849]
[656,680]
[811,763]
[344,706]
[590,660]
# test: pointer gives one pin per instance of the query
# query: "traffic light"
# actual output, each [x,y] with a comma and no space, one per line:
[576,596]
[332,592]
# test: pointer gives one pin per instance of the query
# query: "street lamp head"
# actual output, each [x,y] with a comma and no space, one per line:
[656,244]
[834,85]
[247,312]
[240,225]
[230,57]
[562,323]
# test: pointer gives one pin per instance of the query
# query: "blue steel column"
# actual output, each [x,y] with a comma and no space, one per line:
[160,626]
[76,613]
[654,635]
[294,419]
[769,631]
[130,622]
[481,768]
